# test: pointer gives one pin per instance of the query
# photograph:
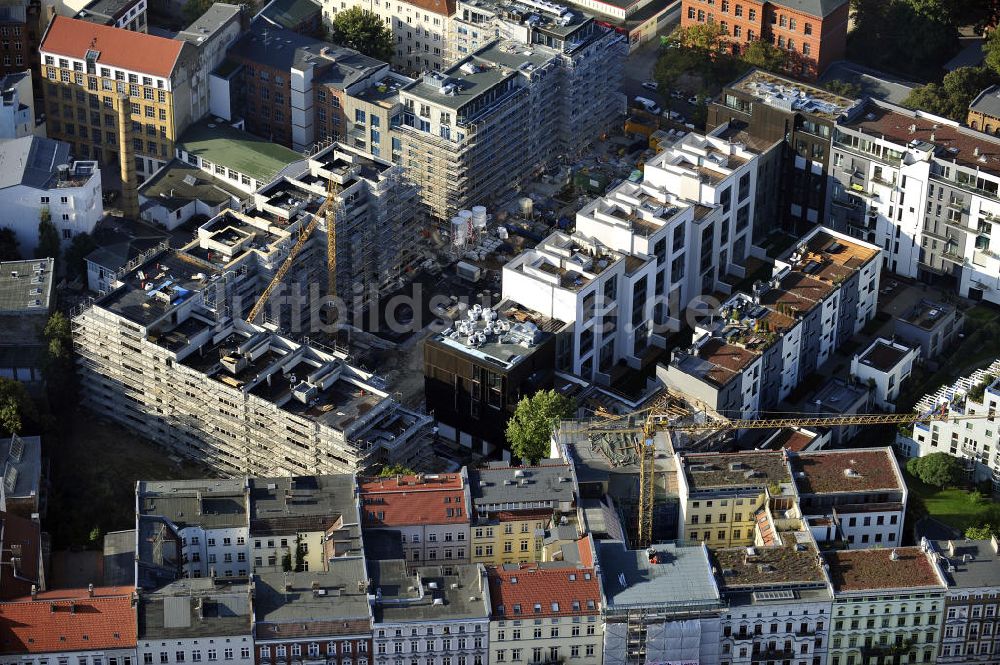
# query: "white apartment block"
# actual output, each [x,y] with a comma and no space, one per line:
[749,359]
[434,615]
[925,190]
[195,621]
[885,365]
[976,441]
[17,112]
[38,178]
[474,130]
[419,28]
[640,255]
[209,518]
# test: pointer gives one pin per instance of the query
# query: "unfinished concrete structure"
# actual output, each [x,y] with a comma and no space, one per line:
[163,354]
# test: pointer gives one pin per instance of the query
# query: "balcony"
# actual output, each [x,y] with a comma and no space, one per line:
[953,257]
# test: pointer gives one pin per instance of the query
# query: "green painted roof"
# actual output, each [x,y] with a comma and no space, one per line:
[223,144]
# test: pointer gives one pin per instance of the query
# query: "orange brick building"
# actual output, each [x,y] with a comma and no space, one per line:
[814,31]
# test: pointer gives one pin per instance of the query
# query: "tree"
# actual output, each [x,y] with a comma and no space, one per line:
[529,430]
[8,245]
[980,532]
[396,470]
[49,245]
[81,245]
[991,47]
[363,31]
[843,88]
[936,469]
[766,56]
[16,406]
[57,363]
[885,28]
[951,98]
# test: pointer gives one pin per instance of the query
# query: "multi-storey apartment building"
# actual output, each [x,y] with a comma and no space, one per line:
[473,384]
[661,604]
[765,107]
[96,73]
[430,514]
[291,89]
[725,499]
[546,614]
[931,326]
[435,614]
[40,179]
[515,507]
[888,605]
[313,616]
[779,600]
[885,365]
[196,620]
[822,292]
[208,519]
[94,626]
[17,106]
[22,23]
[640,255]
[304,522]
[970,627]
[976,441]
[419,29]
[161,352]
[124,14]
[923,188]
[814,33]
[471,131]
[860,491]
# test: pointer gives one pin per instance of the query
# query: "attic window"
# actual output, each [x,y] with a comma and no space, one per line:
[572,577]
[555,607]
[590,605]
[513,580]
[517,608]
[576,605]
[538,608]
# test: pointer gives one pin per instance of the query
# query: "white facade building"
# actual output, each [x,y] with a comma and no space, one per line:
[210,518]
[885,365]
[17,112]
[196,620]
[977,441]
[641,254]
[923,188]
[37,178]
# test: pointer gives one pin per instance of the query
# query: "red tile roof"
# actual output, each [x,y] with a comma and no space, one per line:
[69,620]
[413,500]
[543,514]
[539,591]
[19,539]
[127,49]
[828,471]
[861,570]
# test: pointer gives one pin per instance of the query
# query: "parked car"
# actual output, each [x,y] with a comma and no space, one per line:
[648,104]
[650,85]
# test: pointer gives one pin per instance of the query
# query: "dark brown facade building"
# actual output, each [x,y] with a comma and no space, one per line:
[477,371]
[764,108]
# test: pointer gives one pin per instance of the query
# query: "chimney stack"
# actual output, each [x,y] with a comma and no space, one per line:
[34,591]
[90,590]
[126,160]
[951,548]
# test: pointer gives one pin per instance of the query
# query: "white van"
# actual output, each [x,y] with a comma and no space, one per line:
[648,104]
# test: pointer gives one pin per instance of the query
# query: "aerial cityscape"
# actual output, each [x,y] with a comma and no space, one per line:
[499,332]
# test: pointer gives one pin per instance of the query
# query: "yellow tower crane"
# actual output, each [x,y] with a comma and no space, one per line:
[325,212]
[655,419]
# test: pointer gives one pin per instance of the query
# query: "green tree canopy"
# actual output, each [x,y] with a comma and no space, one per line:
[58,367]
[991,47]
[980,532]
[766,56]
[49,245]
[925,30]
[936,469]
[363,31]
[529,430]
[951,98]
[8,245]
[395,470]
[16,406]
